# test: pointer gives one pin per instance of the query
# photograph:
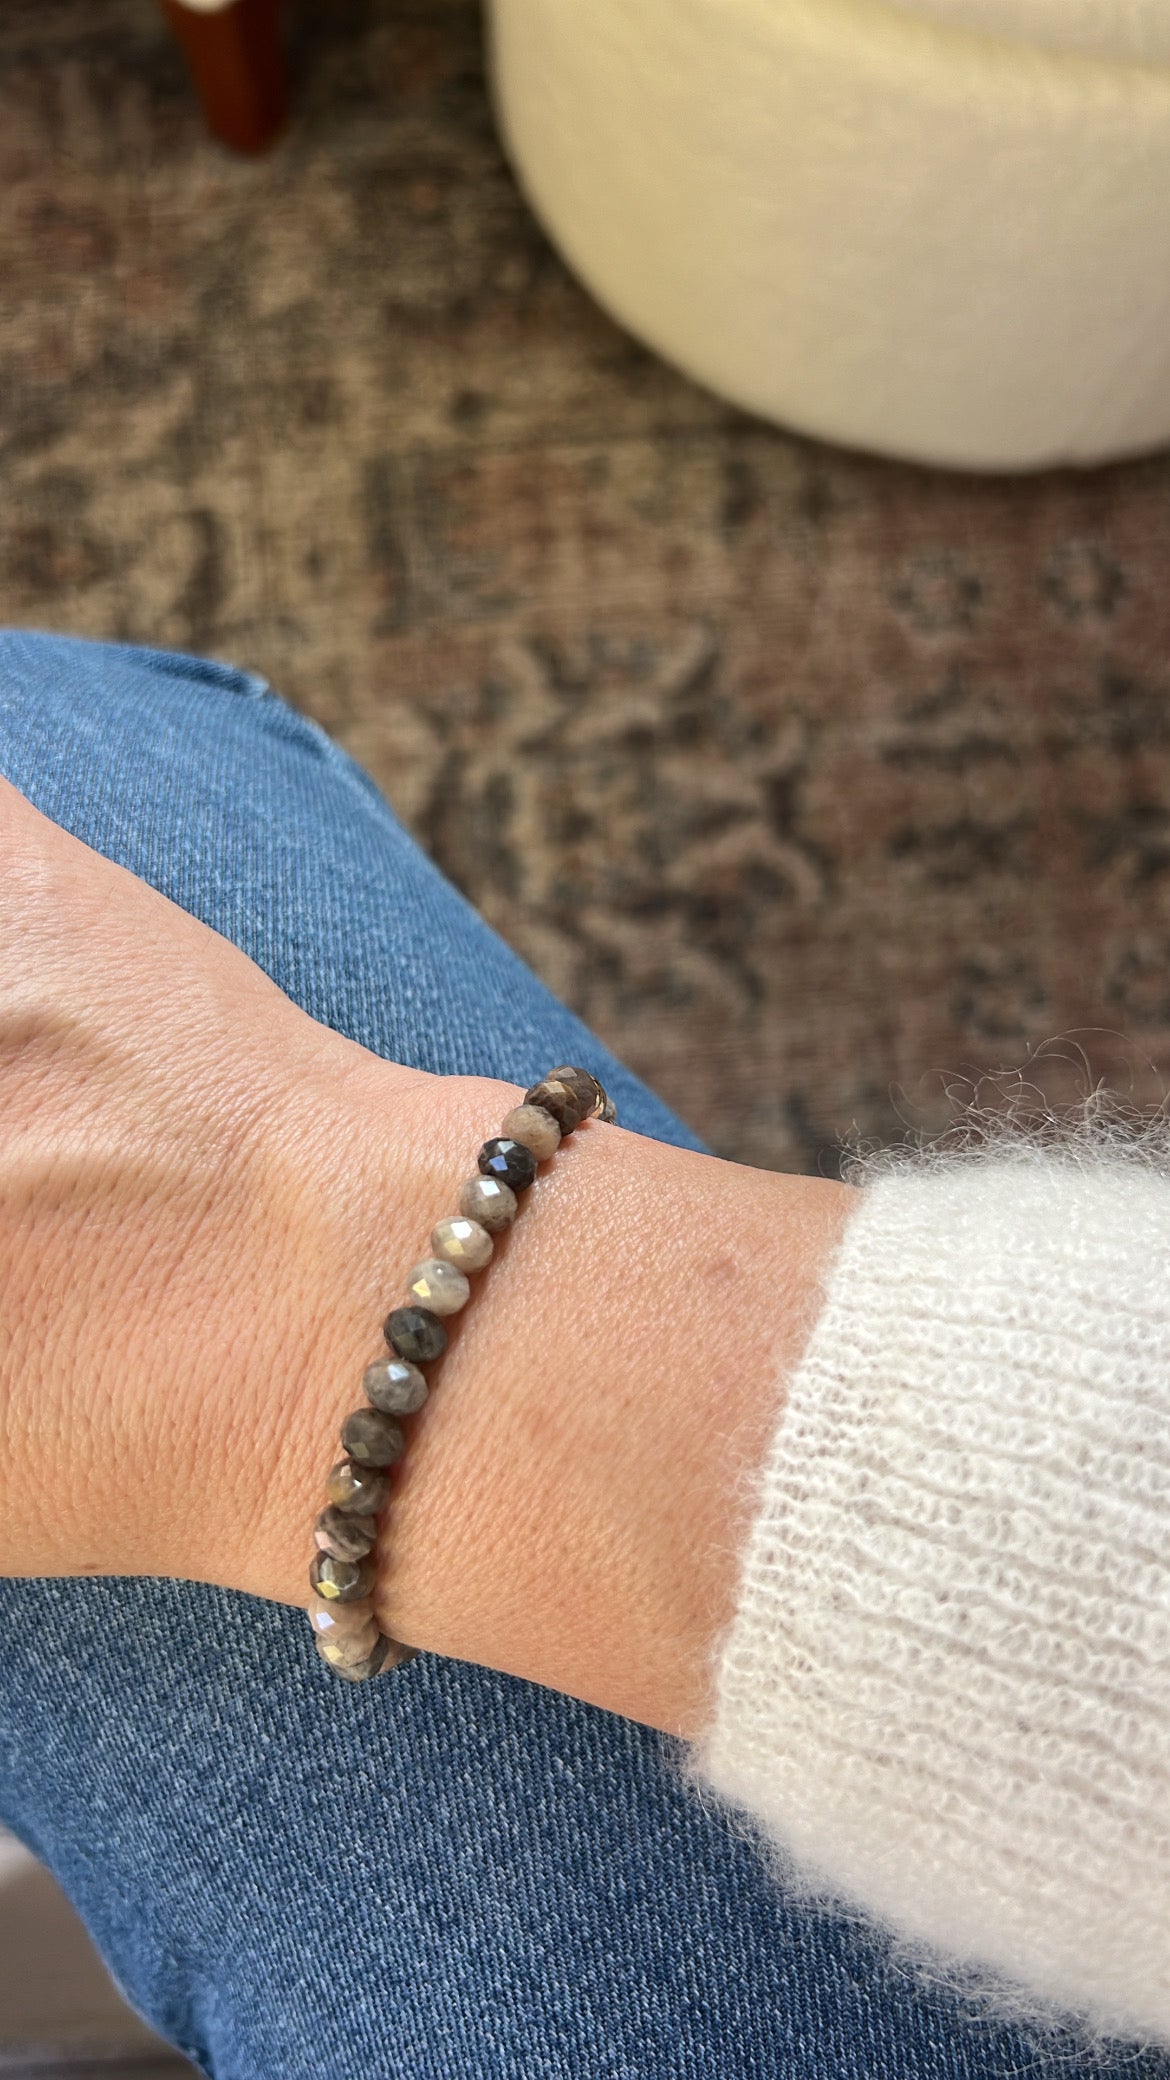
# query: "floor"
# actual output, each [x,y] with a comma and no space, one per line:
[823,786]
[833,792]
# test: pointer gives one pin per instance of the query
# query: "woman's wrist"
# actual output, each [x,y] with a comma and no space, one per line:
[573,1498]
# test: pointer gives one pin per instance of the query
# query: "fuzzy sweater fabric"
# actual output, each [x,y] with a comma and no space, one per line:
[945,1694]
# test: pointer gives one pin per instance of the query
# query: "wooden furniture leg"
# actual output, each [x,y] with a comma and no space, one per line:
[233,51]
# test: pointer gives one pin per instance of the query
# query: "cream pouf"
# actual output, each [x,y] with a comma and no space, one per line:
[938,230]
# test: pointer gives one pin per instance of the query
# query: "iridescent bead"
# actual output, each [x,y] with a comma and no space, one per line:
[463,1243]
[357,1491]
[438,1285]
[373,1439]
[346,1538]
[341,1581]
[386,1655]
[490,1203]
[509,1162]
[416,1334]
[588,1092]
[352,1652]
[339,1620]
[395,1387]
[558,1099]
[536,1128]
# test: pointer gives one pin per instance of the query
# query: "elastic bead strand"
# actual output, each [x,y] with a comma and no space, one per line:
[345,1628]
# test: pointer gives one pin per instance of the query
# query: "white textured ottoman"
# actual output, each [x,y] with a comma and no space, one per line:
[939,229]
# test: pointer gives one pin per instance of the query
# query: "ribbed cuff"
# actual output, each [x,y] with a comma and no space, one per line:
[946,1689]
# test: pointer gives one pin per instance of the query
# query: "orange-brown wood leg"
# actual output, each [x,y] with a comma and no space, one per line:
[237,67]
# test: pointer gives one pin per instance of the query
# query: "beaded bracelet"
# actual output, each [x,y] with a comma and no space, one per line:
[344,1567]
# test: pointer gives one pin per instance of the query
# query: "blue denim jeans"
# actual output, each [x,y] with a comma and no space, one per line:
[449,1874]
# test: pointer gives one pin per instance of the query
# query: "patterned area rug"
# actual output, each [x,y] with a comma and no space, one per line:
[821,786]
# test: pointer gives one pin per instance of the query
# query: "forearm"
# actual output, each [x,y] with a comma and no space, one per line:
[188,1333]
[208,1204]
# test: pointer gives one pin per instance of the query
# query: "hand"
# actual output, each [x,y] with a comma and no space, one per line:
[184,1266]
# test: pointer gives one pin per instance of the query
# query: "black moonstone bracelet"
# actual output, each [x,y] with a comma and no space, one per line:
[341,1612]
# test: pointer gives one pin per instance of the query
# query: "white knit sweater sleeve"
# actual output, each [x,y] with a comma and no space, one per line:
[946,1689]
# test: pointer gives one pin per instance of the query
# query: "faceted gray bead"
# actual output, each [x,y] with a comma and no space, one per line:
[492,1204]
[590,1094]
[600,1104]
[463,1243]
[386,1655]
[438,1285]
[394,1386]
[511,1162]
[357,1491]
[345,1538]
[372,1438]
[558,1099]
[536,1128]
[339,1620]
[416,1334]
[343,1650]
[341,1581]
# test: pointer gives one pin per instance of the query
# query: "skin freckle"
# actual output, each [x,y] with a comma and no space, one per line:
[723,1272]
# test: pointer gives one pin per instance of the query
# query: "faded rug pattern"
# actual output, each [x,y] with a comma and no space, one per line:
[821,786]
